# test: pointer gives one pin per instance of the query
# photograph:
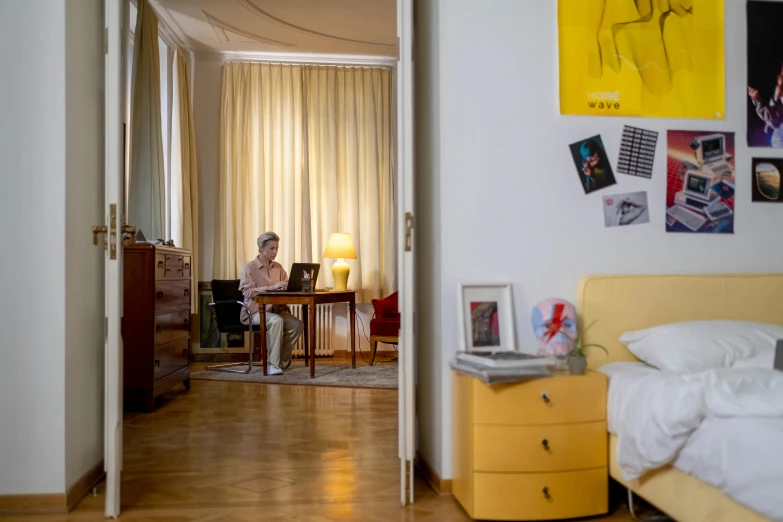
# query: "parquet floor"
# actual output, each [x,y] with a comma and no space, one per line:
[227,451]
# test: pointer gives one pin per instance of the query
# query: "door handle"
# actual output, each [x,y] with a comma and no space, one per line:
[111,230]
[99,230]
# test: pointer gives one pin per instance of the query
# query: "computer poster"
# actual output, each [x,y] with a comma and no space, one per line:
[765,75]
[642,59]
[766,180]
[700,182]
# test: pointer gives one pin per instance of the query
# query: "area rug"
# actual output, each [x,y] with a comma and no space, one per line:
[379,376]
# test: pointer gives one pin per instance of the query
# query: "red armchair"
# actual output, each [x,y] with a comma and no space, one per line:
[385,326]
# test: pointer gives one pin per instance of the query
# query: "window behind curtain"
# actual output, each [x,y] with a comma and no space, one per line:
[167,100]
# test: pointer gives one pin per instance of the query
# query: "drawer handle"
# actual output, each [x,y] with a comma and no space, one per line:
[545,396]
[186,322]
[160,264]
[168,270]
[545,491]
[185,352]
[187,266]
[545,444]
[157,364]
[158,329]
[187,292]
[160,295]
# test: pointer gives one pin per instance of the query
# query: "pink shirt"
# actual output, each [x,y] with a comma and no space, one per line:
[255,278]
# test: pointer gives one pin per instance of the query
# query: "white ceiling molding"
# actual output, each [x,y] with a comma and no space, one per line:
[299,58]
[253,8]
[221,29]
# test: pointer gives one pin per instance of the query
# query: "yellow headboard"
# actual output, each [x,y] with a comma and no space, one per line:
[621,303]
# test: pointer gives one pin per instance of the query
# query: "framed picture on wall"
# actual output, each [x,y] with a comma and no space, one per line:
[486,316]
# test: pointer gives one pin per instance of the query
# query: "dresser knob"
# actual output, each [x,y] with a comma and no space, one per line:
[158,328]
[186,322]
[545,443]
[545,396]
[160,264]
[546,493]
[157,364]
[187,292]
[185,352]
[160,295]
[187,266]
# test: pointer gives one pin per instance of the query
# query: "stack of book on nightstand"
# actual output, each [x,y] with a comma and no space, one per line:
[499,367]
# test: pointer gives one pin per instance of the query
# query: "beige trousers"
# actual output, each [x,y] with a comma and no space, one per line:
[282,332]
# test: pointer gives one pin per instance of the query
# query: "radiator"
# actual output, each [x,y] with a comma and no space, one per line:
[324,319]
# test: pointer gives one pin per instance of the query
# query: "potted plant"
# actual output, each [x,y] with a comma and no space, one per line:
[577,362]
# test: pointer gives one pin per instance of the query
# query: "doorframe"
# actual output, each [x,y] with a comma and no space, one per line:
[402,87]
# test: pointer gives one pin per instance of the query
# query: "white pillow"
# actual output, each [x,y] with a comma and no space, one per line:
[700,345]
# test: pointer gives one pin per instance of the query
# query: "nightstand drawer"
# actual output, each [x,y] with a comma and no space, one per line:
[553,400]
[530,449]
[540,496]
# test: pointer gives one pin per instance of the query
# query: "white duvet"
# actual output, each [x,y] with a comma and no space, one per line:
[724,426]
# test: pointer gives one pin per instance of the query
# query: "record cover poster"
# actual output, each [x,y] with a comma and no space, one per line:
[642,58]
[765,75]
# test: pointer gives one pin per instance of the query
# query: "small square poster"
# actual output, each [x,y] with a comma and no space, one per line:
[592,164]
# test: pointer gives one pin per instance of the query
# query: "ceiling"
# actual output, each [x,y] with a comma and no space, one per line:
[344,27]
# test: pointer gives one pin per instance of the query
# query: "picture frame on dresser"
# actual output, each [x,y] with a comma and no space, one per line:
[486,317]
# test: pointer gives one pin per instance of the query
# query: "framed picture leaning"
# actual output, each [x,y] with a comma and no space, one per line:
[486,316]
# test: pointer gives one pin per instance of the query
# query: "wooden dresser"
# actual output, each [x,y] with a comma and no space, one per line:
[535,450]
[155,323]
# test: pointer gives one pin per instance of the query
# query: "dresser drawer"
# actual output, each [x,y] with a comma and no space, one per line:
[540,496]
[546,448]
[160,266]
[186,266]
[553,400]
[172,295]
[175,266]
[169,327]
[170,357]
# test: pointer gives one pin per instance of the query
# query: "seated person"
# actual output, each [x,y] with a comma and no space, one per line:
[282,329]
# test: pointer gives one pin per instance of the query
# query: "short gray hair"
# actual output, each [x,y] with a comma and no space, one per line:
[266,237]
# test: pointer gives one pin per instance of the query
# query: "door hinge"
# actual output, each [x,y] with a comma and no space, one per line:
[408,231]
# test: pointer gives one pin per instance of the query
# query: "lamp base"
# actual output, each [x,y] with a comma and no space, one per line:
[340,271]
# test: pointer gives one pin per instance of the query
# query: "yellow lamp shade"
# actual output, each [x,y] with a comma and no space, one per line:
[340,245]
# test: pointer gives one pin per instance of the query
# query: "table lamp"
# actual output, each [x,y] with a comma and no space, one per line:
[340,246]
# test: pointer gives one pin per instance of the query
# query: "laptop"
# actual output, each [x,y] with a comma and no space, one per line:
[778,364]
[296,274]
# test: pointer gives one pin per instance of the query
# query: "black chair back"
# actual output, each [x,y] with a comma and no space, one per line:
[228,314]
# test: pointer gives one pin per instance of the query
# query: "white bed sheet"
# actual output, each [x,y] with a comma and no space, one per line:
[724,427]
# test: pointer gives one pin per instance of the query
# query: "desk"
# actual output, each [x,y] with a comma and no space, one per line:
[308,301]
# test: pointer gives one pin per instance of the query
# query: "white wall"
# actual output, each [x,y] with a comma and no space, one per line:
[509,192]
[51,146]
[32,217]
[84,263]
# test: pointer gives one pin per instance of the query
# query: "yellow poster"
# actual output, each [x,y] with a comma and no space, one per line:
[650,58]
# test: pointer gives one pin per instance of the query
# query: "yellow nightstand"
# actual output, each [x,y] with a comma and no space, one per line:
[534,450]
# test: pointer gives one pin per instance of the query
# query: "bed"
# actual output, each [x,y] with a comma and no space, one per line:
[623,303]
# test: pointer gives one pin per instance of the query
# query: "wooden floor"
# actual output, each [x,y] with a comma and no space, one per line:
[227,451]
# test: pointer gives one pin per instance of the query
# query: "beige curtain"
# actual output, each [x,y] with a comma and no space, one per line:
[184,178]
[349,111]
[306,151]
[146,180]
[261,185]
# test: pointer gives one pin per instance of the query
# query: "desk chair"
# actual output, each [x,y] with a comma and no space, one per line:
[385,326]
[228,303]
